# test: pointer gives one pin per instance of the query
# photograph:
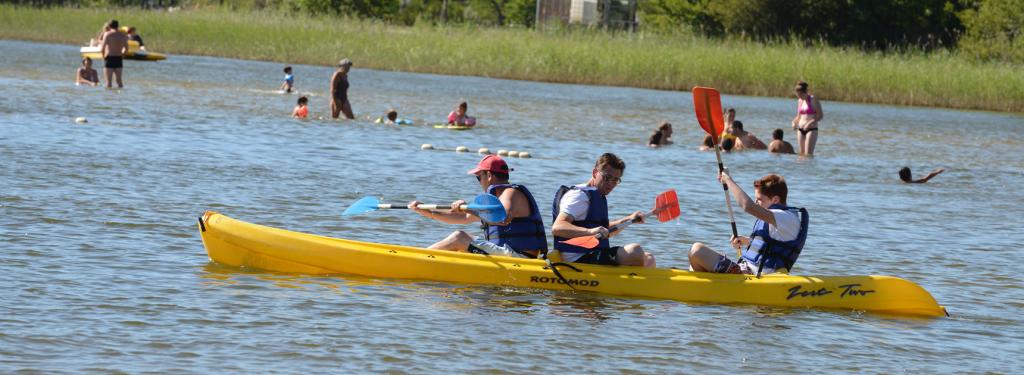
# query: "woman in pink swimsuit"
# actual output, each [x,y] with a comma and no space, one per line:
[808,114]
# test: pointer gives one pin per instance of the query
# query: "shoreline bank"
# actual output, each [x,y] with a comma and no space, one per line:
[938,79]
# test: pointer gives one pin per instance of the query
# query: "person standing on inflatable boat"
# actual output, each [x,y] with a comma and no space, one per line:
[522,233]
[459,116]
[582,210]
[777,239]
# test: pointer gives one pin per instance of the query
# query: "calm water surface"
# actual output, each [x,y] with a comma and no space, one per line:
[103,269]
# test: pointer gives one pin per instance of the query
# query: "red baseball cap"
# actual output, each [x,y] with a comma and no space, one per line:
[491,163]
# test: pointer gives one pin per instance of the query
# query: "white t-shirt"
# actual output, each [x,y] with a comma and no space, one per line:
[576,204]
[786,228]
[787,225]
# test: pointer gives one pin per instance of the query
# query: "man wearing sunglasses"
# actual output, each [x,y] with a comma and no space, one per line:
[582,210]
[520,235]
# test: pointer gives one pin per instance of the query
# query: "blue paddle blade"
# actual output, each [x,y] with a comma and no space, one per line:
[366,204]
[488,207]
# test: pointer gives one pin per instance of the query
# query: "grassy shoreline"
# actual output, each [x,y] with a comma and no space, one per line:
[939,79]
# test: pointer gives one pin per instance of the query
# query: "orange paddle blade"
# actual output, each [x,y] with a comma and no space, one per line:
[588,242]
[707,104]
[667,205]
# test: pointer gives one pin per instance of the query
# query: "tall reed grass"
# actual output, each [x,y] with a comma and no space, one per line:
[940,79]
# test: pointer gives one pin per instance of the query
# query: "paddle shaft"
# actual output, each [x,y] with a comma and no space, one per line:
[721,168]
[728,199]
[621,226]
[431,207]
[670,200]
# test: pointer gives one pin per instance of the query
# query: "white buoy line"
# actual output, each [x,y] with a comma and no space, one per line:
[481,151]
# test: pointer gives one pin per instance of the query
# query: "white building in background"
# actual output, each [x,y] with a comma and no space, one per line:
[616,14]
[583,12]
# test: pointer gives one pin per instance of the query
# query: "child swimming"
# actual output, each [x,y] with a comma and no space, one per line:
[391,117]
[289,80]
[301,110]
[459,116]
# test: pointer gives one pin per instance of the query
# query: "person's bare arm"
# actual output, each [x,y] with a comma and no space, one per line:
[638,216]
[454,216]
[563,227]
[756,143]
[334,83]
[514,202]
[818,114]
[930,175]
[743,200]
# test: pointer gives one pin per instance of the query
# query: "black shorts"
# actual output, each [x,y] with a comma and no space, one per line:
[607,257]
[113,62]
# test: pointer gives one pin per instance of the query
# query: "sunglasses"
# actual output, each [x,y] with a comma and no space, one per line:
[478,178]
[611,178]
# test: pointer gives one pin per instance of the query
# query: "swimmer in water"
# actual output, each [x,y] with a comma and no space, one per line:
[301,109]
[905,176]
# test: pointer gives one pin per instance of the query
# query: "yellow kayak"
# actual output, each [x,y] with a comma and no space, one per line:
[240,244]
[133,53]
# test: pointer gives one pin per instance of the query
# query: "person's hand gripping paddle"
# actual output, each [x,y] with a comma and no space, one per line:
[707,104]
[486,206]
[666,206]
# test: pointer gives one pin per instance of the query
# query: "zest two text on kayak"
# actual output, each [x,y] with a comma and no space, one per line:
[846,290]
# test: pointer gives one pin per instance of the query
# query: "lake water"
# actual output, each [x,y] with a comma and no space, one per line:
[104,271]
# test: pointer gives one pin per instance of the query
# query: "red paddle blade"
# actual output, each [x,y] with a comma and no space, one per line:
[667,205]
[707,104]
[589,242]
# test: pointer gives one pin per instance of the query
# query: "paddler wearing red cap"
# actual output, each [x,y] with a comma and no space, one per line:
[522,233]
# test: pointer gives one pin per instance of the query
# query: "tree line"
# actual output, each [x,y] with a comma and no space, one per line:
[980,29]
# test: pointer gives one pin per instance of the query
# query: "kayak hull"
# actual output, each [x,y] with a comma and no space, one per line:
[95,54]
[240,244]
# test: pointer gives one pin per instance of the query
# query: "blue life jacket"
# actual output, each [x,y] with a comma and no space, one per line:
[597,216]
[522,233]
[777,254]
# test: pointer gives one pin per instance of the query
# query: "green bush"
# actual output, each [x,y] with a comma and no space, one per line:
[677,16]
[995,31]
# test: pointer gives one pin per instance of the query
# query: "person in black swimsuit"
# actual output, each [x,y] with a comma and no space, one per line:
[339,91]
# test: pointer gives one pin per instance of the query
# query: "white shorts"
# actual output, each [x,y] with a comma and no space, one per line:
[493,249]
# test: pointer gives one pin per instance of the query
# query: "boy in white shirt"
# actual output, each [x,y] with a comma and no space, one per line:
[776,241]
